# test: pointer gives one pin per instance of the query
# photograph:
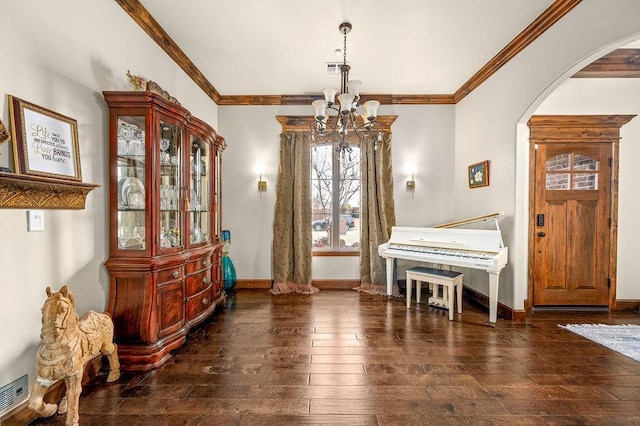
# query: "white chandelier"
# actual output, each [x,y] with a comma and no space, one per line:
[347,119]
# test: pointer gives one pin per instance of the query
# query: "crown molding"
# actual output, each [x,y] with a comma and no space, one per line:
[307,99]
[542,23]
[143,18]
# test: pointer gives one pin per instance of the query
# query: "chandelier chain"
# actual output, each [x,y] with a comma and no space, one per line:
[344,48]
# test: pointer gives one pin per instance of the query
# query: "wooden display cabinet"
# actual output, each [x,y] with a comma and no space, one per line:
[165,250]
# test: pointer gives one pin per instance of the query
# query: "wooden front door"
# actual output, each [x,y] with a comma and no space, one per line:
[573,209]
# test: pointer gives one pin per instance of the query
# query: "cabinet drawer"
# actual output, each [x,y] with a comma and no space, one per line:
[199,303]
[198,282]
[170,274]
[196,265]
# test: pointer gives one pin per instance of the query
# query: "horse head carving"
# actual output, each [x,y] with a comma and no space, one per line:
[58,314]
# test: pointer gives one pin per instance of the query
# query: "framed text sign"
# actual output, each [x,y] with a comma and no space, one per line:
[45,143]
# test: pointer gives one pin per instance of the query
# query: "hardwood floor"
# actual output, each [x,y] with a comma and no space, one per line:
[344,358]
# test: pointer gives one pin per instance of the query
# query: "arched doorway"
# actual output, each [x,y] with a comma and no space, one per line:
[588,96]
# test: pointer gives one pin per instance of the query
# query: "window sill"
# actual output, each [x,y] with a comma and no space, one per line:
[336,253]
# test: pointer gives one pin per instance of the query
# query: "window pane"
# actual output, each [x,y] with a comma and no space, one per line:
[321,193]
[349,199]
[585,181]
[558,162]
[557,181]
[582,162]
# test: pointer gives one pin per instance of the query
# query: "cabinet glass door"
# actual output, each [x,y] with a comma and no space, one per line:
[170,140]
[199,205]
[131,191]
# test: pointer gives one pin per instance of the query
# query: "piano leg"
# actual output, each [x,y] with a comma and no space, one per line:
[494,278]
[390,274]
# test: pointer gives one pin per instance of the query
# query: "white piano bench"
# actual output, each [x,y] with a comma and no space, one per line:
[452,280]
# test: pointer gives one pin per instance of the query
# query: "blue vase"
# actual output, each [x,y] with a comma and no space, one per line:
[229,273]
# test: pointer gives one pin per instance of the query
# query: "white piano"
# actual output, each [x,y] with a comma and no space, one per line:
[441,244]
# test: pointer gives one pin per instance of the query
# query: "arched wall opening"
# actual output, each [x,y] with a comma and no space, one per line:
[561,105]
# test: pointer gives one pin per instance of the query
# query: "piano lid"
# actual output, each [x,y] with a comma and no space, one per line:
[485,240]
[444,236]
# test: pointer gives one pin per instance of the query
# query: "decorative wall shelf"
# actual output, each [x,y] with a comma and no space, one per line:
[19,191]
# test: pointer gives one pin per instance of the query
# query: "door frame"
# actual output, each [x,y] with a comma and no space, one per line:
[576,129]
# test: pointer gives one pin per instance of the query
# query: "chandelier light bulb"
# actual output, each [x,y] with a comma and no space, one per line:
[371,109]
[320,108]
[354,87]
[330,95]
[346,102]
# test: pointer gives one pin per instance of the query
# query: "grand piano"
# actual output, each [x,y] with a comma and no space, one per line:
[445,245]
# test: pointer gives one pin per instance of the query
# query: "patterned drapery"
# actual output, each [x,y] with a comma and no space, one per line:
[377,213]
[292,220]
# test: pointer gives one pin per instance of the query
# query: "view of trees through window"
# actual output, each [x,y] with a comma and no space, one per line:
[335,198]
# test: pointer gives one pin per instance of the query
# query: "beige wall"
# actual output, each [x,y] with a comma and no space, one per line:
[59,56]
[490,123]
[421,134]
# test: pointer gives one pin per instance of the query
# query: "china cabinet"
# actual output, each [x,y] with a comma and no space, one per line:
[165,249]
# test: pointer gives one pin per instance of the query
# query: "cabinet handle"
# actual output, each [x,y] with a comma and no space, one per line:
[205,280]
[175,274]
[205,301]
[205,263]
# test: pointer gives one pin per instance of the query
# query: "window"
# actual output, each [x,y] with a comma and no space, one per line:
[572,171]
[335,198]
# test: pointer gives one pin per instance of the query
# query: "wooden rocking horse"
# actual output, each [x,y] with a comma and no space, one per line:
[68,343]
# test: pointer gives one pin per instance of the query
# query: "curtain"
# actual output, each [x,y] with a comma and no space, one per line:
[377,213]
[292,220]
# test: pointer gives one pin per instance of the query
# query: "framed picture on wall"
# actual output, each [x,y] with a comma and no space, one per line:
[45,143]
[478,174]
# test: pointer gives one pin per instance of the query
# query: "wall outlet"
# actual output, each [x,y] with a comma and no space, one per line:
[35,220]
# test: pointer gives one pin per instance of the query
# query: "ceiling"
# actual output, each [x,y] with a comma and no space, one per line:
[258,48]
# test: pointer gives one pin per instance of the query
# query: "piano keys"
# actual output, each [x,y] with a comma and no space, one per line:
[466,248]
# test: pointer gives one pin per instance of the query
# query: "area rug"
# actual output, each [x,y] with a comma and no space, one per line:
[624,339]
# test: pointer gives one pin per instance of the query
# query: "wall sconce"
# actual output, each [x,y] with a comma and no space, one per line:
[262,184]
[411,183]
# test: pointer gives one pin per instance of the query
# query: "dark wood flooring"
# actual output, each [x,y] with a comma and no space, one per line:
[344,358]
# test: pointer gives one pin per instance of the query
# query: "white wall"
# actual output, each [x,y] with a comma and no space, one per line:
[487,122]
[612,96]
[422,135]
[61,55]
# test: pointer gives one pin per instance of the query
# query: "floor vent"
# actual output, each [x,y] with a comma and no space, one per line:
[13,393]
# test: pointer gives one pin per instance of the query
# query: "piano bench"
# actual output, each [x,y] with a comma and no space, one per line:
[452,280]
